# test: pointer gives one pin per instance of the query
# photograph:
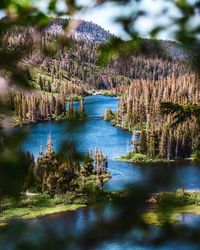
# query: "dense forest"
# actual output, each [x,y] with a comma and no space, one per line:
[58,69]
[53,173]
[155,134]
[55,58]
[64,65]
[32,108]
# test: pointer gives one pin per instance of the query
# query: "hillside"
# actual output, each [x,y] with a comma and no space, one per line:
[79,30]
[67,63]
[78,65]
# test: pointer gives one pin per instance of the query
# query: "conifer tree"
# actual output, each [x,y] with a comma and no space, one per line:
[87,168]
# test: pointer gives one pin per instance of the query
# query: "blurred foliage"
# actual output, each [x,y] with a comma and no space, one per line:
[21,235]
[183,27]
[13,164]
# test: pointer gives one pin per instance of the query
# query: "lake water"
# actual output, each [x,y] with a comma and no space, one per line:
[114,142]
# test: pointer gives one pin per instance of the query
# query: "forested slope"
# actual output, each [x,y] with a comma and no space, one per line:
[68,62]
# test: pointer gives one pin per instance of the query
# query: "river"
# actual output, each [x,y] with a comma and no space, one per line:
[114,142]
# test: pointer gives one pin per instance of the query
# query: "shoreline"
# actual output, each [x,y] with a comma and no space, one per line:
[9,122]
[143,159]
[10,125]
[182,202]
[157,215]
[34,205]
[29,213]
[157,161]
[147,161]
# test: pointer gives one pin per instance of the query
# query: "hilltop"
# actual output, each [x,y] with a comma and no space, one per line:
[79,30]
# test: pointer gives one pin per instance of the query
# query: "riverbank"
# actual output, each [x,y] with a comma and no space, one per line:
[37,205]
[13,121]
[133,157]
[30,207]
[26,108]
[168,207]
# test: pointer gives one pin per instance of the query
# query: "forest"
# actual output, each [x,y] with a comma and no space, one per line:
[157,134]
[53,173]
[58,73]
[32,108]
[143,79]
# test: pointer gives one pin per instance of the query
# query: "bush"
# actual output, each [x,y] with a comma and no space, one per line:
[137,157]
[108,115]
[196,155]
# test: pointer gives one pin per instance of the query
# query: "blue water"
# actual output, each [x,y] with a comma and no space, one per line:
[77,222]
[114,142]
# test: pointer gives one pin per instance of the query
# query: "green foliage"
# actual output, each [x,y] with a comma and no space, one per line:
[87,168]
[196,155]
[94,194]
[76,115]
[13,167]
[135,157]
[167,200]
[181,112]
[108,115]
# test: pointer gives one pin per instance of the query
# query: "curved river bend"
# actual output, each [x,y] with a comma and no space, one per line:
[95,132]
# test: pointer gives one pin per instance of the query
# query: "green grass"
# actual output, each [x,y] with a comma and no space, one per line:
[34,212]
[170,205]
[29,207]
[159,217]
[36,205]
[140,158]
[75,116]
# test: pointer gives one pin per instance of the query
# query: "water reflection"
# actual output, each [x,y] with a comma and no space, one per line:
[80,220]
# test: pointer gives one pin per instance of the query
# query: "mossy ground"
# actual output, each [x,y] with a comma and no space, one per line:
[168,209]
[170,206]
[29,207]
[35,205]
[159,217]
[34,212]
[140,158]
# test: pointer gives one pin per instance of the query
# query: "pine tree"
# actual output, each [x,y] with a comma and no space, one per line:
[87,168]
[49,146]
[108,115]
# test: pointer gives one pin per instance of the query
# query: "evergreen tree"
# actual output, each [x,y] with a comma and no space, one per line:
[87,168]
